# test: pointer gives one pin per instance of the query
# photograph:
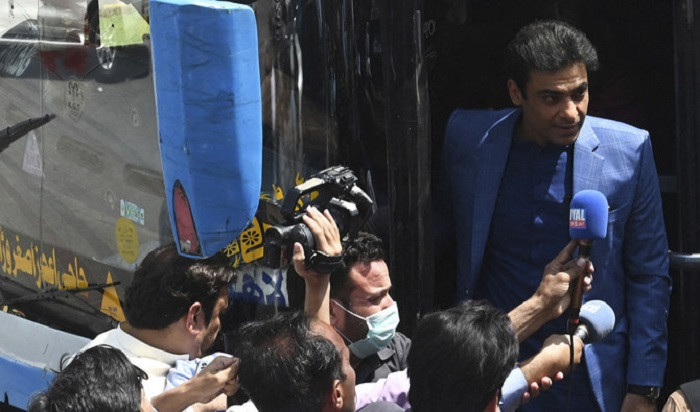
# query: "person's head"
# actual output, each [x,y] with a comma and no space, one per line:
[548,63]
[168,288]
[361,308]
[291,363]
[99,379]
[460,358]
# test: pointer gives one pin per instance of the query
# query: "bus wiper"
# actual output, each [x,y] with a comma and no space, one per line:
[54,293]
[13,133]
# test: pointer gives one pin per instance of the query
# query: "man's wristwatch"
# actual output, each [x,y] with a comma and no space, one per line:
[649,392]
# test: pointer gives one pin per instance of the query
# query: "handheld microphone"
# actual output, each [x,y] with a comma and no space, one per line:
[588,220]
[597,321]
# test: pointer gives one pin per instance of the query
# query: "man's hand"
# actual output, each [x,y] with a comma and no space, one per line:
[552,297]
[535,387]
[219,401]
[553,359]
[637,403]
[558,277]
[219,377]
[327,236]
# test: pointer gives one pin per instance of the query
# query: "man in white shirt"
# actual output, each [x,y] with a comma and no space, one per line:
[172,309]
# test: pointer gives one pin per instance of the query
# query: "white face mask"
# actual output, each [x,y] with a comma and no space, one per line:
[381,328]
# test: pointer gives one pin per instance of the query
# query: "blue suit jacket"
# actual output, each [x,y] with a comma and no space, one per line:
[631,263]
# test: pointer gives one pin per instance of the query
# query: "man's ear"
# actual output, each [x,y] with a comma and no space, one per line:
[516,95]
[194,319]
[492,406]
[337,395]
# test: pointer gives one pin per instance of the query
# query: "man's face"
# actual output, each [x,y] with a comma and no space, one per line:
[370,294]
[555,106]
[209,334]
[325,330]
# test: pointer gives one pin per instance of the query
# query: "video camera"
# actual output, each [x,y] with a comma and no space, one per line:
[337,191]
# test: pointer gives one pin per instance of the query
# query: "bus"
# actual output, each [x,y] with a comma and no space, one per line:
[368,84]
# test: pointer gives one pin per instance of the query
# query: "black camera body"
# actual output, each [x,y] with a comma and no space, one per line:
[337,191]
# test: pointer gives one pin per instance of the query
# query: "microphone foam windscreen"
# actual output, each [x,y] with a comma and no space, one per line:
[599,319]
[588,215]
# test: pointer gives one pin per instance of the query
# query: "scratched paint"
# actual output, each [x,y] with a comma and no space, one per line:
[15,58]
[19,34]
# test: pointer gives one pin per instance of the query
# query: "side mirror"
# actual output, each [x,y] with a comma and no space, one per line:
[207,84]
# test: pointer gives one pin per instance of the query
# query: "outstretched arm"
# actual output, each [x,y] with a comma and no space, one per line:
[552,359]
[552,297]
[219,377]
[539,372]
[327,235]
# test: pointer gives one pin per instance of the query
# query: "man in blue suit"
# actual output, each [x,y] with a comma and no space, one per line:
[507,181]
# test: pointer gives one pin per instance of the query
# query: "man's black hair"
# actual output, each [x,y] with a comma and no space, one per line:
[460,358]
[166,284]
[284,365]
[99,379]
[547,46]
[365,248]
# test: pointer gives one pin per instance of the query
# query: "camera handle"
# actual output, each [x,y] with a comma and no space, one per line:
[291,200]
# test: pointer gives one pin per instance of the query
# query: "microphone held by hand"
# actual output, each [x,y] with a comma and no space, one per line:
[588,220]
[597,320]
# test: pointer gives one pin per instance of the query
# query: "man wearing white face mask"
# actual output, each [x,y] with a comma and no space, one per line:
[364,313]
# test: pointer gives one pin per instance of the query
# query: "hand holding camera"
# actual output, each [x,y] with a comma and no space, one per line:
[345,205]
[327,236]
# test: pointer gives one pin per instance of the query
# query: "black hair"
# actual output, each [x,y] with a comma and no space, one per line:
[166,284]
[99,379]
[460,358]
[365,247]
[285,366]
[548,45]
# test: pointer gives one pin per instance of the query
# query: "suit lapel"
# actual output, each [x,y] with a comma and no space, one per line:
[587,175]
[491,163]
[587,163]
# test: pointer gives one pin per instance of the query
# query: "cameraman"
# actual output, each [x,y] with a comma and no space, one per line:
[364,313]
